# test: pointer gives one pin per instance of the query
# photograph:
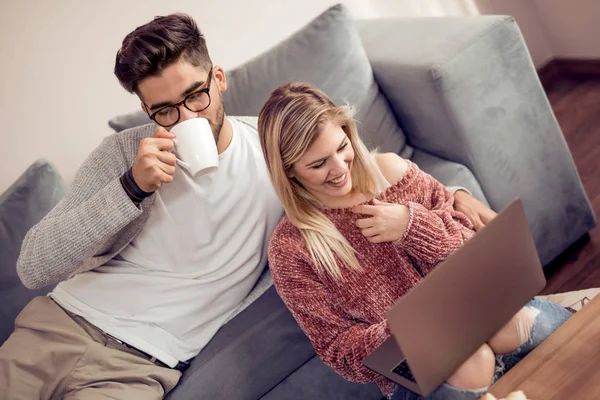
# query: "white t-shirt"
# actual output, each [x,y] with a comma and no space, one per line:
[198,256]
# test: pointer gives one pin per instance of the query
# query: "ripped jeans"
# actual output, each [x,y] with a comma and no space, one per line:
[550,317]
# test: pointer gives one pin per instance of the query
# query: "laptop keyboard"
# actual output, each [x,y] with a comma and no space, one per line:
[404,371]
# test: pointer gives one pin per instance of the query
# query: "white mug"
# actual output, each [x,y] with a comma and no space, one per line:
[196,146]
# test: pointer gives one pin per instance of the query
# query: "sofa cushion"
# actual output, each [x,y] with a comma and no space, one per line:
[126,121]
[327,53]
[248,356]
[315,380]
[23,205]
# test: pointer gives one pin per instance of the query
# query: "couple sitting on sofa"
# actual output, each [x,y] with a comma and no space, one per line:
[151,262]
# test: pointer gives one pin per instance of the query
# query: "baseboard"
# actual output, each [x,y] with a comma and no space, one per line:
[568,255]
[568,67]
[549,73]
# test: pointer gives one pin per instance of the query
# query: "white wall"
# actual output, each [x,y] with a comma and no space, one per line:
[528,19]
[58,90]
[553,28]
[572,27]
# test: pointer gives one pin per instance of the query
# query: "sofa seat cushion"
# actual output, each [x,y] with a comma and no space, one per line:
[315,380]
[248,356]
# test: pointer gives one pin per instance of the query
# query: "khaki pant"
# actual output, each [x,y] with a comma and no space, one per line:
[52,355]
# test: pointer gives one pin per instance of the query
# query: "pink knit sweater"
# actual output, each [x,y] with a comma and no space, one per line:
[345,319]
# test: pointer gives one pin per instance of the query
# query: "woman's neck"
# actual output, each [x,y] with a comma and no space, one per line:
[350,200]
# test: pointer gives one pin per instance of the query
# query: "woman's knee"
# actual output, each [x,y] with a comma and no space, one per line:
[477,372]
[516,332]
[551,317]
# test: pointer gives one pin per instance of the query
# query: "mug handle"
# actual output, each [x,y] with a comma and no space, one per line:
[180,162]
[183,164]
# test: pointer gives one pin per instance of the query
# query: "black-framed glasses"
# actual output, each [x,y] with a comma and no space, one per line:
[195,102]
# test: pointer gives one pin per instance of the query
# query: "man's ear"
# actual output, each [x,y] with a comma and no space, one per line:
[220,78]
[143,106]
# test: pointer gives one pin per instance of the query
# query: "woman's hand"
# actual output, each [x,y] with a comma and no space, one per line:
[518,395]
[478,213]
[387,221]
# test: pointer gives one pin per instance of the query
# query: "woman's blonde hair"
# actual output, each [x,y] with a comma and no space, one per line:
[289,122]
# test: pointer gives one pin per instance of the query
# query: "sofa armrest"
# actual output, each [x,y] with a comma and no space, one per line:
[22,206]
[465,89]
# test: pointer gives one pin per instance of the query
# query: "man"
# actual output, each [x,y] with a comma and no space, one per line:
[151,261]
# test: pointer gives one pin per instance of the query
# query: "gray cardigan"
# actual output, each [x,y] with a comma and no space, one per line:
[94,221]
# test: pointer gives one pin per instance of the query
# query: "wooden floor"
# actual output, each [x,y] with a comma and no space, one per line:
[576,104]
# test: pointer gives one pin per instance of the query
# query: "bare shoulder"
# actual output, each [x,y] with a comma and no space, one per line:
[392,166]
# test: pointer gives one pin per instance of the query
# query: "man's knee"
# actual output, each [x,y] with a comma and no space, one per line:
[477,372]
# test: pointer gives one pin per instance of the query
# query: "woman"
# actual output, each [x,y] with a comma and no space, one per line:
[361,229]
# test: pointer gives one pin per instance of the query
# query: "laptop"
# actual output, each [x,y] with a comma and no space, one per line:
[461,304]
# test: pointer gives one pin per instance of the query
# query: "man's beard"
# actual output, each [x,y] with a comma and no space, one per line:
[217,124]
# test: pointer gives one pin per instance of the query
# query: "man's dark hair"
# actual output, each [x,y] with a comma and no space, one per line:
[150,48]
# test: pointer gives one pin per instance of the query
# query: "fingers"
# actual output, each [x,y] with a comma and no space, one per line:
[166,157]
[166,178]
[162,139]
[365,222]
[163,144]
[370,231]
[381,203]
[376,239]
[160,132]
[374,235]
[150,177]
[154,164]
[478,213]
[367,226]
[148,145]
[519,395]
[477,223]
[167,169]
[365,209]
[472,215]
[487,215]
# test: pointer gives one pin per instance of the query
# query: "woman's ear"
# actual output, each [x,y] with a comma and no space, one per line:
[290,173]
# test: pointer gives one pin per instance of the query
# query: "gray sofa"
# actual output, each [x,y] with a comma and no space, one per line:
[459,96]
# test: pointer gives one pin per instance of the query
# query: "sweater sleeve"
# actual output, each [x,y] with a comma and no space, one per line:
[92,212]
[339,340]
[435,230]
